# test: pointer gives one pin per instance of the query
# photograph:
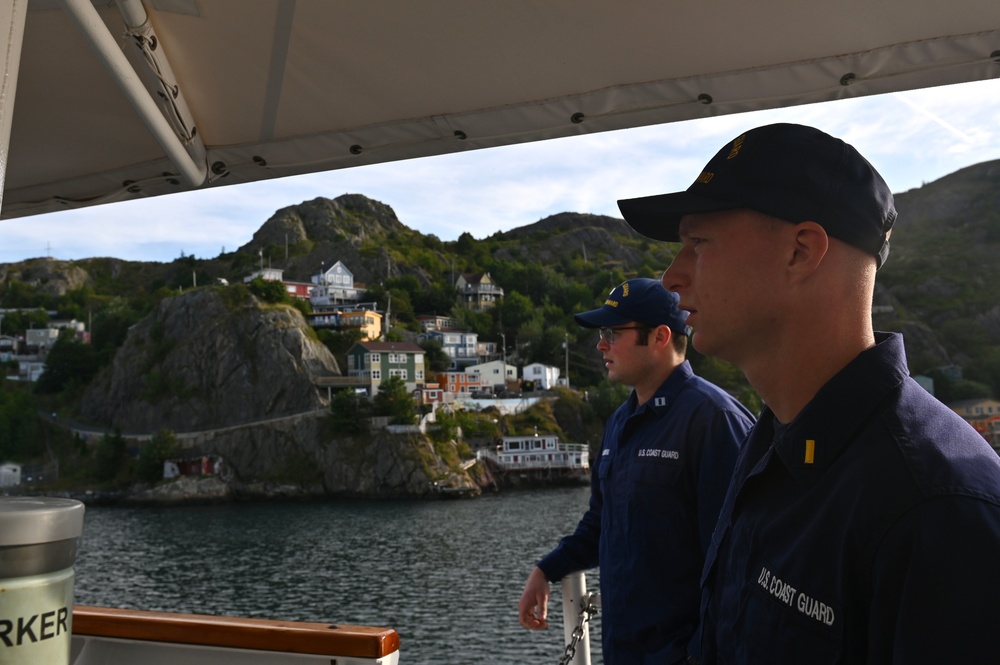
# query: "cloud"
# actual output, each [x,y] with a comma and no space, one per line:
[912,137]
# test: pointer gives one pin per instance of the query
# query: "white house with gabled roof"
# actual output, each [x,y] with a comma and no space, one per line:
[494,373]
[545,377]
[334,286]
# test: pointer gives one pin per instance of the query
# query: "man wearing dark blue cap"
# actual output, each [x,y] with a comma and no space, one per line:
[863,521]
[657,486]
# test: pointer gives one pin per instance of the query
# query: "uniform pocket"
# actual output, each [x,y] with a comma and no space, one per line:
[650,473]
[788,626]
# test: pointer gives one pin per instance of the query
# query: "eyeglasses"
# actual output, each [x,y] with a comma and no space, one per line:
[608,334]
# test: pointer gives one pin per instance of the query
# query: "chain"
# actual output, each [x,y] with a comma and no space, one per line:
[588,611]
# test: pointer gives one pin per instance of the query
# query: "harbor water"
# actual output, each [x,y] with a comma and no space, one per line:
[446,575]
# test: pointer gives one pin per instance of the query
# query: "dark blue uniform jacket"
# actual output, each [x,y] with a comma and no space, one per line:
[869,532]
[657,487]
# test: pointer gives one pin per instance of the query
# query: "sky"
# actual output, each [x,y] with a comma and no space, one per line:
[912,138]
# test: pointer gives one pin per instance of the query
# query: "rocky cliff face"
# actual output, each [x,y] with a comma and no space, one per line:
[232,377]
[351,228]
[207,359]
[548,240]
[49,276]
[301,458]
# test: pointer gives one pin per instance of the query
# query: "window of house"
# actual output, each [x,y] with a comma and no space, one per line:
[376,374]
[419,374]
[401,373]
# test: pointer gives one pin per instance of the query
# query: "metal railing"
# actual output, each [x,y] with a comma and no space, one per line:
[579,607]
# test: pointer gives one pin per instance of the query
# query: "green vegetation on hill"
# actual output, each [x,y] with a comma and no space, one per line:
[937,288]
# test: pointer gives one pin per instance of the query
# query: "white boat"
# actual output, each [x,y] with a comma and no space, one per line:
[104,101]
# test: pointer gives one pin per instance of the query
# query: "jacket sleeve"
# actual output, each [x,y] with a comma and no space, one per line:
[579,551]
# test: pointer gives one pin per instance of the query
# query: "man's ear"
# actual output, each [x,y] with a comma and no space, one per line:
[662,335]
[810,244]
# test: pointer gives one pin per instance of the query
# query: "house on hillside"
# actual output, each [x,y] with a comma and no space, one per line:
[460,346]
[428,322]
[487,351]
[334,286]
[984,416]
[378,361]
[10,474]
[266,274]
[494,375]
[361,317]
[9,346]
[476,291]
[294,289]
[430,393]
[544,377]
[460,384]
[38,340]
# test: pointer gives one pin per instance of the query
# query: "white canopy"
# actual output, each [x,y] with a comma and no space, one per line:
[214,92]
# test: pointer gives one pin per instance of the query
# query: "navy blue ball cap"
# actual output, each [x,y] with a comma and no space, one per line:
[641,300]
[791,172]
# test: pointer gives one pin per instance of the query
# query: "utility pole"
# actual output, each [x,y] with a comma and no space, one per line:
[566,346]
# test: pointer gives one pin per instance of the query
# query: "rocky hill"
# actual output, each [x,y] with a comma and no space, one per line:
[352,228]
[233,377]
[210,358]
[940,279]
[208,361]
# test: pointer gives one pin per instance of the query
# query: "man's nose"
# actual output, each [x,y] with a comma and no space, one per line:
[673,277]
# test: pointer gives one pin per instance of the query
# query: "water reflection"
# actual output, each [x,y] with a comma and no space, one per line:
[446,575]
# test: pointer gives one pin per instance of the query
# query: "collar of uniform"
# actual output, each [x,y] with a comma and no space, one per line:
[829,422]
[668,390]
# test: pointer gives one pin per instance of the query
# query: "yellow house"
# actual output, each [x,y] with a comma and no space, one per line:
[363,319]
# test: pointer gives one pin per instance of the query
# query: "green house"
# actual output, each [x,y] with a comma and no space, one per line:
[377,361]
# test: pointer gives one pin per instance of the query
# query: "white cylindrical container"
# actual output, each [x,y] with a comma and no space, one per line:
[38,537]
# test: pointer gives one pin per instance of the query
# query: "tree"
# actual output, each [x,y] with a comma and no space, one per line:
[349,412]
[162,447]
[514,311]
[339,342]
[111,326]
[434,356]
[19,438]
[395,401]
[439,297]
[70,362]
[15,323]
[110,457]
[270,292]
[607,397]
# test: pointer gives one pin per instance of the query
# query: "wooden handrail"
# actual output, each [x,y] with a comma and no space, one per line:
[235,632]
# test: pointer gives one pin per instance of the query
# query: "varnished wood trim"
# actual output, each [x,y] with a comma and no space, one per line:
[234,632]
